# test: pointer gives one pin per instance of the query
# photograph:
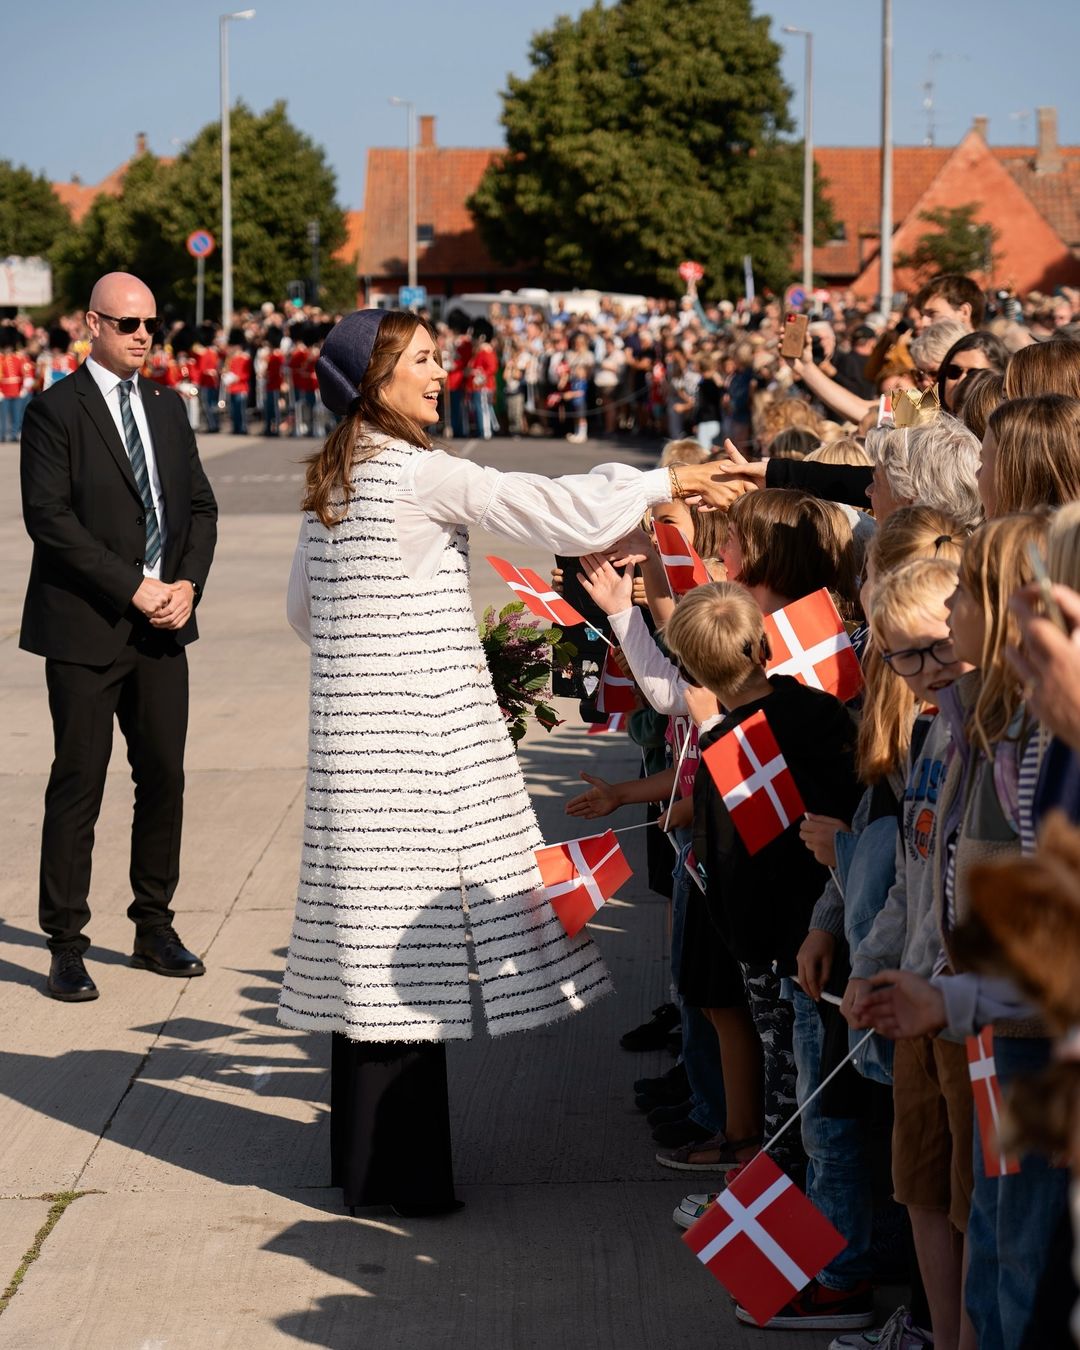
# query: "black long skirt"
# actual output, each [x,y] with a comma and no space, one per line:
[390,1125]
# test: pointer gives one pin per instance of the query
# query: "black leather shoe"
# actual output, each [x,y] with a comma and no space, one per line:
[68,980]
[652,1035]
[162,952]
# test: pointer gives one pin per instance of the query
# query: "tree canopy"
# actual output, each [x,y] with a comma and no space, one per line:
[32,217]
[958,243]
[650,131]
[280,182]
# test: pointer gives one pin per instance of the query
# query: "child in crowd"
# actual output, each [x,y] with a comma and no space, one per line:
[717,635]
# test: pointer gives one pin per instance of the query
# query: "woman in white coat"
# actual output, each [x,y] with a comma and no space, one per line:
[419,836]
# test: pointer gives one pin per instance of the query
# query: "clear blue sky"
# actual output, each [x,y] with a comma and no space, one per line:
[81,77]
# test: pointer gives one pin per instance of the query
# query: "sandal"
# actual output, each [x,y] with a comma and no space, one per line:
[713,1155]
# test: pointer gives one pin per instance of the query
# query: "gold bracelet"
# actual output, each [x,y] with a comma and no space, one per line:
[676,486]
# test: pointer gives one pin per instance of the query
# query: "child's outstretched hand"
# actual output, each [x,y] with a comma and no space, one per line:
[612,591]
[819,833]
[601,799]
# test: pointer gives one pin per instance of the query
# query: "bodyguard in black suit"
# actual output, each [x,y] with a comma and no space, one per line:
[124,525]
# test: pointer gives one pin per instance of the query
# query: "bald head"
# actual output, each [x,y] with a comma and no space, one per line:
[121,293]
[115,297]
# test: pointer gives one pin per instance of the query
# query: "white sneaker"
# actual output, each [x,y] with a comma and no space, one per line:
[898,1333]
[691,1207]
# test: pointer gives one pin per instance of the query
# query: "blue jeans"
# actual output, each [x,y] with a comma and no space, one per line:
[700,1048]
[838,1168]
[459,420]
[11,416]
[1012,1223]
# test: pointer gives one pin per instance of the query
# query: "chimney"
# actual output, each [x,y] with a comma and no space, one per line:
[427,131]
[1047,154]
[140,142]
[981,124]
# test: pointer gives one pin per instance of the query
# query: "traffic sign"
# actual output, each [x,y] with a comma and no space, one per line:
[408,296]
[201,243]
[691,271]
[794,299]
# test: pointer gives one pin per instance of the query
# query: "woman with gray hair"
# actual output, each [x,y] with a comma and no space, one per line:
[935,464]
[930,348]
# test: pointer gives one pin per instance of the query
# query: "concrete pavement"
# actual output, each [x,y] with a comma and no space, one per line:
[194,1130]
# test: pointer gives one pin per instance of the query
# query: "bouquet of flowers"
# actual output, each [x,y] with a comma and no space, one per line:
[521,657]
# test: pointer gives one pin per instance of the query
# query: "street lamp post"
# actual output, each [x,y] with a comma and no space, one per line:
[410,109]
[226,167]
[808,162]
[885,251]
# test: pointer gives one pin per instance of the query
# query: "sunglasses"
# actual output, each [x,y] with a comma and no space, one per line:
[131,325]
[954,372]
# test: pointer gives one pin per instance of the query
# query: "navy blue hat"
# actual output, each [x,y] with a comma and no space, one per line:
[344,358]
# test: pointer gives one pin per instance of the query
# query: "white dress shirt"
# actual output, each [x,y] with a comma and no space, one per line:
[573,515]
[109,384]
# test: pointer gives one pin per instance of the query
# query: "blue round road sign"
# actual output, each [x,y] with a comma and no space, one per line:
[200,243]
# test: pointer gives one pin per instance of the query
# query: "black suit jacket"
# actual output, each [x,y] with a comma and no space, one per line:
[84,513]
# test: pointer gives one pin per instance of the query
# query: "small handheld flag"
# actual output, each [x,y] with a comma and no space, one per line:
[580,875]
[987,1092]
[755,782]
[682,566]
[616,693]
[616,722]
[763,1239]
[537,594]
[809,641]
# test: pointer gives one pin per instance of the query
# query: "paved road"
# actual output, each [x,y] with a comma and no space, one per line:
[194,1129]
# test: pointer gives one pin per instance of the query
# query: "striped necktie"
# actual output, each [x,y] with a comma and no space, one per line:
[137,455]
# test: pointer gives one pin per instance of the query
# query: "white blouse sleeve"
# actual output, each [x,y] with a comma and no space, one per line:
[657,677]
[298,595]
[573,515]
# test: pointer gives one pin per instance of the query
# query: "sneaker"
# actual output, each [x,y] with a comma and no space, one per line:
[680,1134]
[664,1115]
[652,1035]
[672,1088]
[691,1207]
[822,1309]
[898,1333]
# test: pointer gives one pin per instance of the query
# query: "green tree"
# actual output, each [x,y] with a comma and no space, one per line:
[280,182]
[958,243]
[648,132]
[32,217]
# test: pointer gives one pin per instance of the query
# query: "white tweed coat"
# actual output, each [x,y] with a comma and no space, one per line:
[418,826]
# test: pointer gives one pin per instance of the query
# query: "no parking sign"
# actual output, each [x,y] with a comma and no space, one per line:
[201,243]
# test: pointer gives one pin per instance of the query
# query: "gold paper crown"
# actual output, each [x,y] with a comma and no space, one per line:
[912,409]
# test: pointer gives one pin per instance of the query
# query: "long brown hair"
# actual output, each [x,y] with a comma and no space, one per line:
[330,469]
[1038,453]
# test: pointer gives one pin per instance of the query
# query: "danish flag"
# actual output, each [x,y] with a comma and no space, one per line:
[682,566]
[580,875]
[763,1240]
[754,781]
[809,641]
[616,722]
[987,1090]
[616,693]
[537,594]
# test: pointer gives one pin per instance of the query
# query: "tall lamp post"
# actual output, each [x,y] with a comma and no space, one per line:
[226,167]
[410,109]
[808,162]
[886,250]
